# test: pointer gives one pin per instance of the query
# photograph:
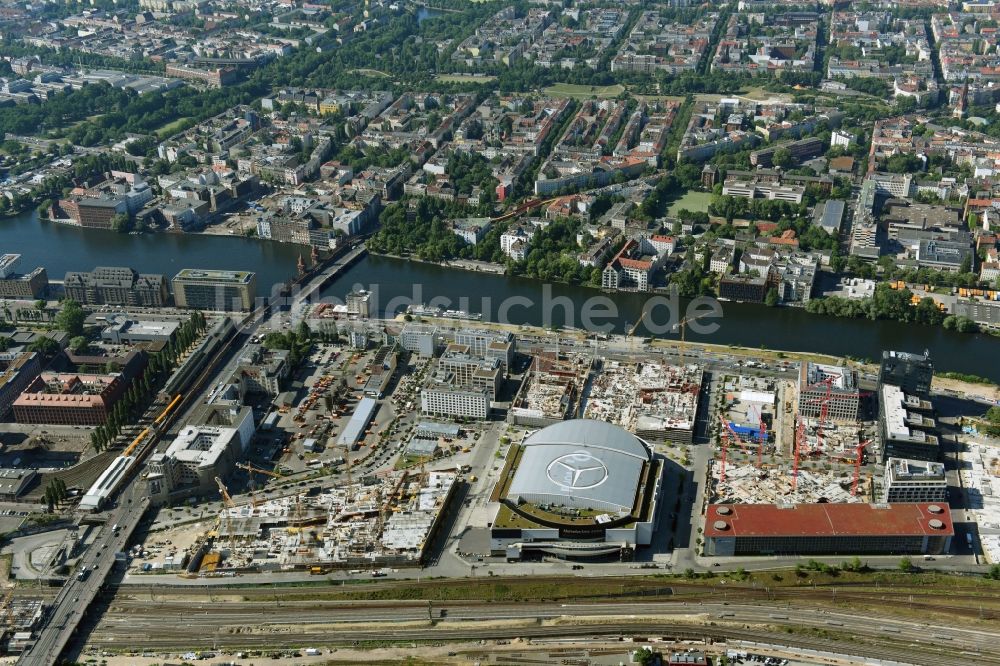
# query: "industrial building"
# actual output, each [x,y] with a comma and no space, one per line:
[905,427]
[576,489]
[831,529]
[362,417]
[912,373]
[199,454]
[828,391]
[215,289]
[116,286]
[381,370]
[123,330]
[914,481]
[15,482]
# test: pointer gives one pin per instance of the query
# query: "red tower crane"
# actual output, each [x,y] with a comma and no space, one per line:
[857,466]
[761,436]
[800,434]
[729,428]
[724,439]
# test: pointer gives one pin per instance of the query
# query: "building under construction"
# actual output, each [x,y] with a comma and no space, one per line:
[389,522]
[828,392]
[551,390]
[655,400]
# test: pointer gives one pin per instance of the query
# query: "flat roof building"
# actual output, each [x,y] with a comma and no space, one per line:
[17,371]
[912,373]
[579,488]
[914,481]
[362,417]
[14,482]
[200,453]
[832,529]
[129,331]
[904,428]
[215,289]
[17,285]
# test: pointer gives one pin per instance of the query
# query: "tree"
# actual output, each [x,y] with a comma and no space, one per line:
[906,564]
[79,344]
[44,346]
[121,222]
[71,318]
[782,158]
[771,299]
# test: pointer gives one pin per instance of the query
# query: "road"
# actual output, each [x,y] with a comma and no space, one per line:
[76,596]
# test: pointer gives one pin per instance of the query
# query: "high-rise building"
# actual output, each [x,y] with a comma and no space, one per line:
[215,289]
[116,285]
[905,428]
[910,372]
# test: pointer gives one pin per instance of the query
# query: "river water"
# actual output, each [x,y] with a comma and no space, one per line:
[60,248]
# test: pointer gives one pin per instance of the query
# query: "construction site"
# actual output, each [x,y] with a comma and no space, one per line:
[551,390]
[19,617]
[388,520]
[773,445]
[655,400]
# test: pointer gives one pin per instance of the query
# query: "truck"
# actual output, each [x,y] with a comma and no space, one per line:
[83,574]
[311,652]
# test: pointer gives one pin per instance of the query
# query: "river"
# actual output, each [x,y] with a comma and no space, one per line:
[61,248]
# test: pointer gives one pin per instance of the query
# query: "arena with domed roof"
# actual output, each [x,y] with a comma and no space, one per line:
[580,488]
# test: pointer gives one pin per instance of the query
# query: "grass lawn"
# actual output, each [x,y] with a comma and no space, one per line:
[692,200]
[466,78]
[584,92]
[173,127]
[371,72]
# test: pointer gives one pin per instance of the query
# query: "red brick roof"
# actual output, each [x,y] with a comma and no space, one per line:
[826,520]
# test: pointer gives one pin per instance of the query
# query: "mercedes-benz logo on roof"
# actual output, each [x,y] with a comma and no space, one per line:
[577,471]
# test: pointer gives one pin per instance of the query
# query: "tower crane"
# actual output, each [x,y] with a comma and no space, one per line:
[229,504]
[860,452]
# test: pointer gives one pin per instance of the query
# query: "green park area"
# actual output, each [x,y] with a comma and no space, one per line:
[694,201]
[583,91]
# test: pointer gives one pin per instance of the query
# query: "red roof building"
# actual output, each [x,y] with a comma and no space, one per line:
[888,529]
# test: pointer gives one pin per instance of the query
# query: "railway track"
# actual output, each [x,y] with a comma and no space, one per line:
[180,638]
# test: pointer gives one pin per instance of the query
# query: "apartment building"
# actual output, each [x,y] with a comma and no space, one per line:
[115,285]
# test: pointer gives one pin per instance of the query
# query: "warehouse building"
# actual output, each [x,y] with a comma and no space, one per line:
[577,489]
[830,529]
[362,417]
